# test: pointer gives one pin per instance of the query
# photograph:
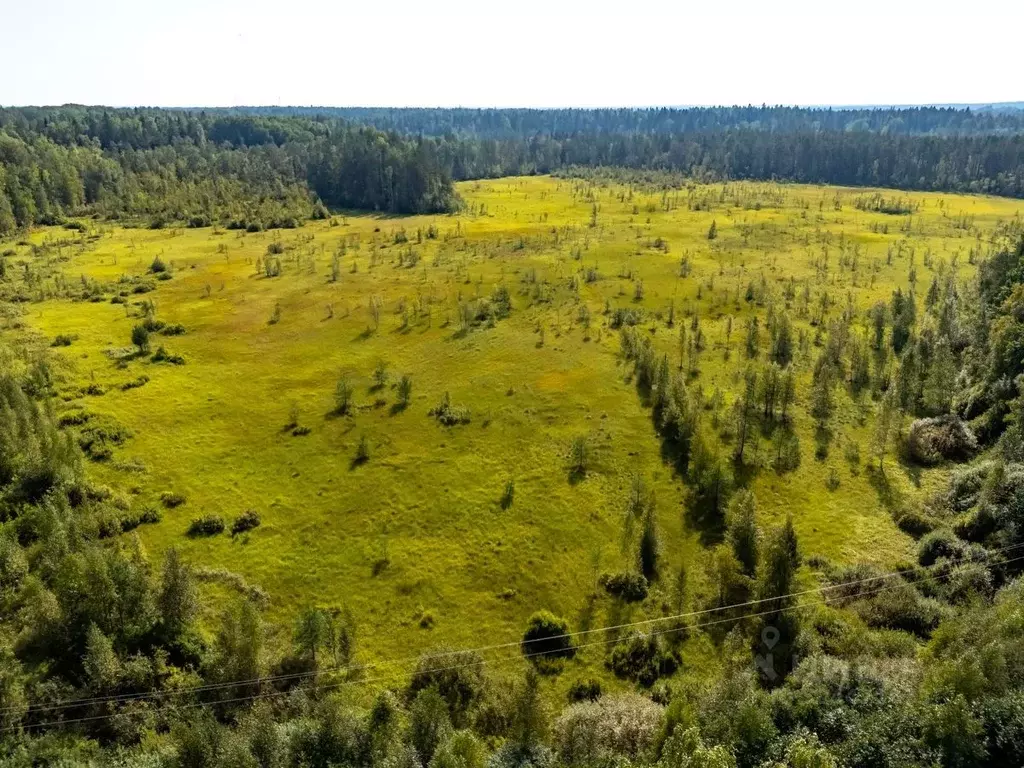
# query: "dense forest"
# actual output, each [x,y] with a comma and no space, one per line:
[273,167]
[517,123]
[162,166]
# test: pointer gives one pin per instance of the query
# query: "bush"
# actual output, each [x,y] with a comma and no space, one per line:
[643,658]
[163,356]
[596,733]
[245,522]
[135,383]
[457,675]
[157,266]
[62,340]
[170,499]
[901,606]
[547,636]
[942,543]
[175,329]
[631,587]
[588,689]
[207,525]
[150,515]
[447,414]
[929,441]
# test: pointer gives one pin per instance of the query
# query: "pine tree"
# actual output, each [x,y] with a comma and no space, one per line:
[743,534]
[178,601]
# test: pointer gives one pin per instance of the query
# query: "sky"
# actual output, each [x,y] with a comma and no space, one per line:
[528,53]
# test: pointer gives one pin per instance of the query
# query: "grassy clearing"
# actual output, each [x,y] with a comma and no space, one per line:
[420,539]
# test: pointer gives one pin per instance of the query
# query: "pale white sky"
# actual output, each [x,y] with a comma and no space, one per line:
[533,53]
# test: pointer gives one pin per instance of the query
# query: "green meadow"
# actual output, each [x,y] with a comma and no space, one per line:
[421,540]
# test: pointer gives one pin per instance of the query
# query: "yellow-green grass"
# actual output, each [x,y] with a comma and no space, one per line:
[428,498]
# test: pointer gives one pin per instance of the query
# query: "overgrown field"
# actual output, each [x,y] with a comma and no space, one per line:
[455,533]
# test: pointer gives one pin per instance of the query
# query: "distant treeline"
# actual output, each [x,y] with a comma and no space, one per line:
[270,167]
[172,166]
[519,123]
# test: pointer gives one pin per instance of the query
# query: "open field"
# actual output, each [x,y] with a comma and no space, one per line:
[415,540]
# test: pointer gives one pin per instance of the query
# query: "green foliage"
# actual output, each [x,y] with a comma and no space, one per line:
[343,393]
[429,723]
[643,658]
[547,637]
[448,414]
[631,587]
[140,338]
[207,525]
[456,675]
[245,522]
[744,536]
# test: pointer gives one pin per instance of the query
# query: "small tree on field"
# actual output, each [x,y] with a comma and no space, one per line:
[343,396]
[404,390]
[380,375]
[579,456]
[140,338]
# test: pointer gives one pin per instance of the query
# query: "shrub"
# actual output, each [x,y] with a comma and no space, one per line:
[626,316]
[170,499]
[586,689]
[596,733]
[929,441]
[547,636]
[643,658]
[150,515]
[275,248]
[631,587]
[175,329]
[207,525]
[62,340]
[245,522]
[942,543]
[163,356]
[135,383]
[99,434]
[157,266]
[901,606]
[447,414]
[457,676]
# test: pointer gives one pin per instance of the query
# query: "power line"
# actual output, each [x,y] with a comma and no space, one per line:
[481,662]
[124,698]
[481,649]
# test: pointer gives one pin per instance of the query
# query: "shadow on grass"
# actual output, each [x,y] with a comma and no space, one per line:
[706,520]
[888,494]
